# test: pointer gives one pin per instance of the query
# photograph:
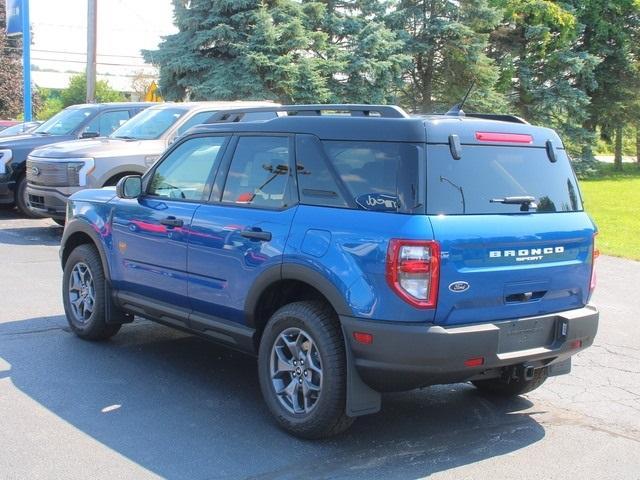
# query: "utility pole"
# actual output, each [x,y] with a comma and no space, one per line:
[26,60]
[92,33]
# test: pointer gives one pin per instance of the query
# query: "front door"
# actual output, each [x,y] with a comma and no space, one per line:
[150,233]
[243,232]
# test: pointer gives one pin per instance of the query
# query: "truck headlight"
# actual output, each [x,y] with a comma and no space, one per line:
[5,157]
[78,169]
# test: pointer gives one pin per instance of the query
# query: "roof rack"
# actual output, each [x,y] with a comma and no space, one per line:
[499,117]
[354,110]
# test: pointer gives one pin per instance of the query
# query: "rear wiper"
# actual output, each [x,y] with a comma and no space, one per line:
[525,202]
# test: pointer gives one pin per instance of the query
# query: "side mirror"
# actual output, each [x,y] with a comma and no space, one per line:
[129,186]
[89,135]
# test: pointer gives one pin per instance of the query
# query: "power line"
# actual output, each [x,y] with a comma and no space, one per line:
[138,65]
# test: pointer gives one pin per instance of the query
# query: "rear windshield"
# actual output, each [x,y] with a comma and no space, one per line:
[66,121]
[496,179]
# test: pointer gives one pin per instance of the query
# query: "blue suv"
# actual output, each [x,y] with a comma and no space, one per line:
[353,249]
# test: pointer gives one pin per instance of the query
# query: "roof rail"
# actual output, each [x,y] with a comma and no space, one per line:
[498,116]
[354,110]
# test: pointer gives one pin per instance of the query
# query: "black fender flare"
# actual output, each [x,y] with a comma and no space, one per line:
[77,225]
[293,271]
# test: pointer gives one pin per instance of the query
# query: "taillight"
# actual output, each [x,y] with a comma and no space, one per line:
[595,254]
[413,271]
[504,137]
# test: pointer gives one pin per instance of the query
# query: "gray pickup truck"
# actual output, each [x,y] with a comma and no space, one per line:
[57,171]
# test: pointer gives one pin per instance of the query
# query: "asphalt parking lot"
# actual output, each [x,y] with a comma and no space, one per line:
[154,402]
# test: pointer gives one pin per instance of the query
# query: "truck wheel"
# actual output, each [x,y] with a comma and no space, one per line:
[83,295]
[302,370]
[22,199]
[513,387]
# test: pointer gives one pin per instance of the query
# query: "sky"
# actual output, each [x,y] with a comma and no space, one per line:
[124,28]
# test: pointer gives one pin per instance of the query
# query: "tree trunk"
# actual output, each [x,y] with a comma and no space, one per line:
[638,144]
[617,160]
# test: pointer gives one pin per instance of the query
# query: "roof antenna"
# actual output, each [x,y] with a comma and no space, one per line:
[456,110]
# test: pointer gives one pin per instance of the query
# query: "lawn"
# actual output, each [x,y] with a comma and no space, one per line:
[613,201]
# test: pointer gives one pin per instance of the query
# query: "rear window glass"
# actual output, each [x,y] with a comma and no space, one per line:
[493,179]
[377,176]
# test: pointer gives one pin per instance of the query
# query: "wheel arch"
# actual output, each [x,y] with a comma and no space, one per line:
[288,283]
[78,232]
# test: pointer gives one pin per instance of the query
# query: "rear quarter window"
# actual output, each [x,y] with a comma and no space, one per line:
[364,175]
[489,172]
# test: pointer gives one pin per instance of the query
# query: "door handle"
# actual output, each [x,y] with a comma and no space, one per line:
[256,235]
[172,222]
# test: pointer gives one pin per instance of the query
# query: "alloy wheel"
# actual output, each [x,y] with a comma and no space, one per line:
[296,371]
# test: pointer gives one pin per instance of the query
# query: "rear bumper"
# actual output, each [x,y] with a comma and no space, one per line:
[405,356]
[47,202]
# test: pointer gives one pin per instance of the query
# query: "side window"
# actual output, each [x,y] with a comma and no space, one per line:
[372,171]
[316,182]
[106,123]
[185,172]
[197,119]
[259,172]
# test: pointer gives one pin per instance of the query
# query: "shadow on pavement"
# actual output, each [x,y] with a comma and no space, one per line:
[191,409]
[36,231]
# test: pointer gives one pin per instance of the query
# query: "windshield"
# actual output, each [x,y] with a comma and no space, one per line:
[497,179]
[18,129]
[65,122]
[149,124]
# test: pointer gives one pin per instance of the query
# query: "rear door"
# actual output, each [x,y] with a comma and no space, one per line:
[502,259]
[243,231]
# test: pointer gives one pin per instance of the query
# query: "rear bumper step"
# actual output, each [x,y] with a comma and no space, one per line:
[404,355]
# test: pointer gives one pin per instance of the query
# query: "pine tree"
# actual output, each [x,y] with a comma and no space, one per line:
[543,71]
[612,33]
[447,42]
[362,59]
[238,49]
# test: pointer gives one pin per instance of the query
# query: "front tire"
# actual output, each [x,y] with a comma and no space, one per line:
[302,370]
[22,199]
[84,295]
[512,387]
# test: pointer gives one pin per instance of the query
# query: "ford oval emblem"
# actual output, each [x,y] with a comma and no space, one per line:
[458,287]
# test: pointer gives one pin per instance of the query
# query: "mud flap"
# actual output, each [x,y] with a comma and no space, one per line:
[559,368]
[361,399]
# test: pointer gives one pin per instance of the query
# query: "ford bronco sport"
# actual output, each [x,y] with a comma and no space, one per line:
[356,252]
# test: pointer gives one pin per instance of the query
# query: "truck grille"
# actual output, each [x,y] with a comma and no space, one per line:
[52,174]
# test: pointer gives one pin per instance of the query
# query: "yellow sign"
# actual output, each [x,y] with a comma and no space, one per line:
[153,94]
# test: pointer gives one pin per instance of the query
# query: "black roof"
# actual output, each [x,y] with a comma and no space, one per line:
[431,129]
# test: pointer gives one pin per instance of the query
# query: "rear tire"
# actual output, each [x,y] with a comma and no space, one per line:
[84,295]
[513,387]
[315,406]
[22,199]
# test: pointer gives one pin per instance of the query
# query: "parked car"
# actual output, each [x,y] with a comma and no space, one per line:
[77,121]
[7,123]
[131,149]
[351,255]
[20,128]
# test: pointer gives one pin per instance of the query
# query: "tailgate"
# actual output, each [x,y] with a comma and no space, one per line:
[498,267]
